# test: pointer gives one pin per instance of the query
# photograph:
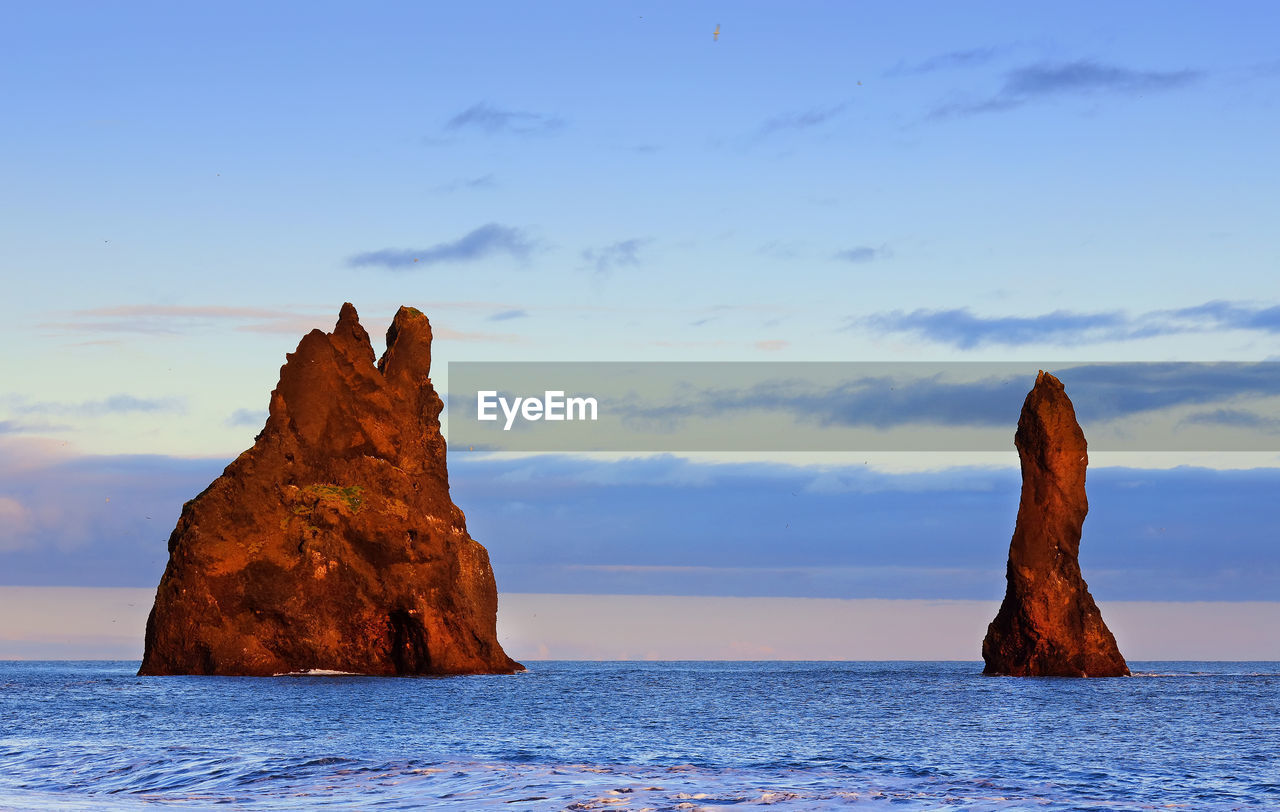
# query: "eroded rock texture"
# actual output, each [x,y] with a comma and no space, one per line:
[1048,625]
[332,543]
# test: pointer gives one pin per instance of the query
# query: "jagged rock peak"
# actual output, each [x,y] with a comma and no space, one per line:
[333,542]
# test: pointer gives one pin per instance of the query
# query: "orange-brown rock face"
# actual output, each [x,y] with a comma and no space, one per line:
[1048,625]
[333,543]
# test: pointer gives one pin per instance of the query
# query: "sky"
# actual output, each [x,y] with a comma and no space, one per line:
[107,623]
[190,188]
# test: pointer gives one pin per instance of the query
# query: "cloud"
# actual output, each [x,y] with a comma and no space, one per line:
[508,315]
[804,120]
[861,254]
[492,120]
[291,325]
[779,250]
[884,397]
[247,417]
[114,404]
[178,320]
[671,526]
[1226,315]
[477,183]
[29,427]
[1238,418]
[147,327]
[992,105]
[91,520]
[183,311]
[772,345]
[961,328]
[1107,391]
[151,319]
[623,253]
[15,521]
[969,58]
[446,334]
[663,525]
[879,402]
[1082,77]
[488,240]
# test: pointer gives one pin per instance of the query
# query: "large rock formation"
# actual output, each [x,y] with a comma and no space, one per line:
[332,543]
[1048,625]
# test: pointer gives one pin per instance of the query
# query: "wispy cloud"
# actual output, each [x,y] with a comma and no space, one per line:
[246,417]
[802,120]
[777,249]
[962,328]
[508,315]
[149,319]
[183,311]
[1032,83]
[478,183]
[887,398]
[485,118]
[861,254]
[1090,77]
[182,320]
[492,239]
[870,401]
[623,253]
[1235,418]
[759,315]
[29,427]
[952,60]
[1229,315]
[293,325]
[446,334]
[144,326]
[114,404]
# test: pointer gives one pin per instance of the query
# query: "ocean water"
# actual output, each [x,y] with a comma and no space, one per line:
[632,736]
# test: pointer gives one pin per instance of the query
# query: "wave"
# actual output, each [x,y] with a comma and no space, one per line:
[275,784]
[666,736]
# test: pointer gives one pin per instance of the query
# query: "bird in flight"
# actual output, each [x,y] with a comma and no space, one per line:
[715,35]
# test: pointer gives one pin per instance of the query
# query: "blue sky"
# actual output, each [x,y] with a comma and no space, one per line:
[190,187]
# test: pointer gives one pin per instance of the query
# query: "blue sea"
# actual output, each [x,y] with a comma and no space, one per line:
[643,735]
